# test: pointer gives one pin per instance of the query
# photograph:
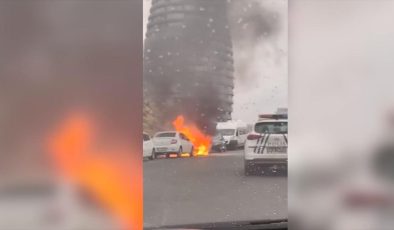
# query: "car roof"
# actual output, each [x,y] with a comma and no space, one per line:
[271,120]
[166,132]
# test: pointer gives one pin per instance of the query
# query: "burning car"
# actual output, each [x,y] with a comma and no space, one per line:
[201,141]
[172,142]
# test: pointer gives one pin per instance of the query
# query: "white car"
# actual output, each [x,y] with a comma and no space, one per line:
[148,147]
[266,145]
[170,142]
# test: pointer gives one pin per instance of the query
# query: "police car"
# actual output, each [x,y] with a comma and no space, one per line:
[266,145]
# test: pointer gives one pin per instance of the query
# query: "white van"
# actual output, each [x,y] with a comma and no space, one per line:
[233,132]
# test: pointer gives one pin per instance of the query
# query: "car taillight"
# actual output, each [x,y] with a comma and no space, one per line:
[253,137]
[173,141]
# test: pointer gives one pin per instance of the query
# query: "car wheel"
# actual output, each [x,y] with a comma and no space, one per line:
[191,152]
[153,156]
[233,145]
[180,152]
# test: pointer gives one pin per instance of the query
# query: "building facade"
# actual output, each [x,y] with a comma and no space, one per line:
[188,62]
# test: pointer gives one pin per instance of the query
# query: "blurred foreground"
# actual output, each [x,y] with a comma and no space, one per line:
[58,58]
[341,149]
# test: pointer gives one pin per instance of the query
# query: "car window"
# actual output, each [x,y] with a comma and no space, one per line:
[242,132]
[146,137]
[271,127]
[169,134]
[226,132]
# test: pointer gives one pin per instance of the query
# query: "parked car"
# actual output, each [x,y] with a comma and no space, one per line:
[233,132]
[170,142]
[148,147]
[218,143]
[266,145]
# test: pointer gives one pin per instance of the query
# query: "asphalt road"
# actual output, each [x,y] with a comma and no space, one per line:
[209,189]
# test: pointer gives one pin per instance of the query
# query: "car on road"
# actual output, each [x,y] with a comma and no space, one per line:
[172,142]
[218,143]
[266,146]
[148,147]
[233,132]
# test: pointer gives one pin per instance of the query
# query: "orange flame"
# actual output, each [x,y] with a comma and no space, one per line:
[201,142]
[104,174]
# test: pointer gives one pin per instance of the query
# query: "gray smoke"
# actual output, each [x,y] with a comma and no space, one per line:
[259,32]
[253,22]
[183,66]
[60,55]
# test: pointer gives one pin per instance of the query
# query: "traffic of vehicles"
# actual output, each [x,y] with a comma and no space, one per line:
[233,132]
[230,135]
[265,146]
[219,143]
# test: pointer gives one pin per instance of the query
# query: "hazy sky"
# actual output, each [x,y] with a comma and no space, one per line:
[347,49]
[261,75]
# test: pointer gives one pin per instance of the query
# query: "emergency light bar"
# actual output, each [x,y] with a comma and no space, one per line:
[273,116]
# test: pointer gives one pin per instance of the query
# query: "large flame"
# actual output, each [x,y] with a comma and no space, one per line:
[201,142]
[109,174]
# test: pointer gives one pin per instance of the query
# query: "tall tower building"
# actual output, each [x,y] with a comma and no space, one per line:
[188,62]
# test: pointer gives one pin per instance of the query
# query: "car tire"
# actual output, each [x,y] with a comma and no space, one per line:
[153,156]
[233,145]
[191,152]
[180,152]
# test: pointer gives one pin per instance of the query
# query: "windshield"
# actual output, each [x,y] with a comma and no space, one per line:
[226,132]
[271,127]
[169,134]
[210,69]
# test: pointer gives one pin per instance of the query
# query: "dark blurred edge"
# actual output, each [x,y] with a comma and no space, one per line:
[56,55]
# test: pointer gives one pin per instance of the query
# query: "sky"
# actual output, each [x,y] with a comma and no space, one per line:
[347,49]
[260,56]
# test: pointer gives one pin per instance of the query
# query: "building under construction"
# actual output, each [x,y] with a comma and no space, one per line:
[188,64]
